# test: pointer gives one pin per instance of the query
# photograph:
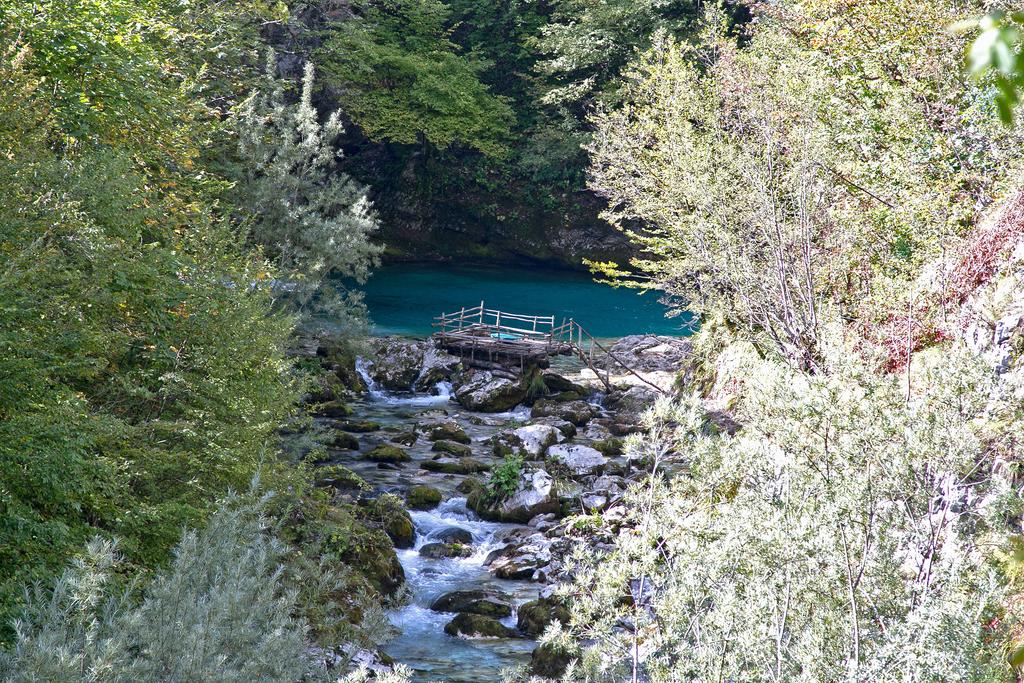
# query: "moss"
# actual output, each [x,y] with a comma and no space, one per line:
[610,447]
[534,616]
[477,625]
[344,441]
[387,453]
[455,466]
[359,426]
[449,431]
[451,447]
[339,477]
[442,550]
[388,513]
[336,408]
[423,498]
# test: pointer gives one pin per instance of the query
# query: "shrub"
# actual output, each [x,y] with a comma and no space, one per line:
[504,479]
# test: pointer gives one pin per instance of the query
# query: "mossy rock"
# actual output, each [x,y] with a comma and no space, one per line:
[359,426]
[455,466]
[324,388]
[406,438]
[448,431]
[333,409]
[610,447]
[339,477]
[387,512]
[474,601]
[558,384]
[549,661]
[534,616]
[469,485]
[443,550]
[477,626]
[341,359]
[344,441]
[452,448]
[342,533]
[423,497]
[387,453]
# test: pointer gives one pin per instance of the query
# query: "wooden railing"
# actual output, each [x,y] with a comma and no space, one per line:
[497,331]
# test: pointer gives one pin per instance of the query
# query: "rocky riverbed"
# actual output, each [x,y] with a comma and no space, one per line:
[473,475]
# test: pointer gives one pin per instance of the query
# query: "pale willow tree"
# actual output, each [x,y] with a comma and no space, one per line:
[219,613]
[722,178]
[310,216]
[842,535]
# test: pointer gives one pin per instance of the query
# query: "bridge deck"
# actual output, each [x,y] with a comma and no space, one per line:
[490,337]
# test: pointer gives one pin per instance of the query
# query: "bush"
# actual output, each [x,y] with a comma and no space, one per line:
[504,479]
[220,612]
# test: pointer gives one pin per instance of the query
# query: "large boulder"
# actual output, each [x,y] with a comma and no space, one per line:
[549,661]
[452,448]
[482,391]
[577,412]
[534,616]
[387,453]
[487,603]
[454,466]
[579,460]
[522,561]
[468,625]
[439,551]
[650,353]
[396,362]
[534,495]
[535,439]
[454,534]
[438,366]
[448,430]
[423,498]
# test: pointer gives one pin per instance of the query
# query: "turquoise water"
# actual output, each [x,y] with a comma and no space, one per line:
[403,299]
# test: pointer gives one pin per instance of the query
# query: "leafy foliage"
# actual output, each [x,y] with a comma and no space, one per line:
[842,534]
[311,217]
[220,612]
[996,53]
[504,479]
[407,82]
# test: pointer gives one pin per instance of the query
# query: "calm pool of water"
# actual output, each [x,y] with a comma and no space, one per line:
[403,299]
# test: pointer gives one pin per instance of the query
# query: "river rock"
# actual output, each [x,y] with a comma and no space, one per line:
[454,465]
[520,561]
[549,661]
[650,353]
[387,453]
[452,448]
[449,430]
[439,551]
[560,385]
[534,616]
[344,441]
[577,412]
[423,498]
[334,409]
[629,404]
[358,426]
[535,494]
[454,534]
[396,362]
[438,366]
[580,460]
[467,625]
[535,439]
[482,391]
[487,603]
[568,429]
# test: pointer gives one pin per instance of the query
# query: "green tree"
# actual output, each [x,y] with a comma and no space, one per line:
[404,79]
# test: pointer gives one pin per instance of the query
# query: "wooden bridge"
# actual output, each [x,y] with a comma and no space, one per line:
[496,339]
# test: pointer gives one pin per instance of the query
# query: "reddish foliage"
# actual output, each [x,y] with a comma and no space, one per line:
[902,334]
[979,257]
